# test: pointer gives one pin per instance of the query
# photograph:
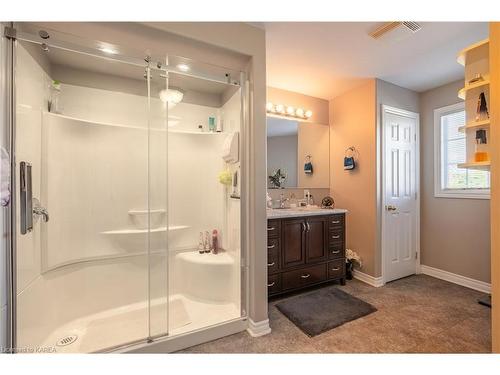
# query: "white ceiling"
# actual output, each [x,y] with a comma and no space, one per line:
[326,59]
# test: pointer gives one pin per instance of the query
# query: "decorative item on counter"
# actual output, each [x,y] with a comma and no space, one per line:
[481,149]
[215,242]
[200,128]
[277,179]
[201,246]
[225,177]
[477,77]
[211,124]
[207,243]
[55,93]
[328,202]
[482,108]
[308,167]
[349,162]
[351,257]
[269,201]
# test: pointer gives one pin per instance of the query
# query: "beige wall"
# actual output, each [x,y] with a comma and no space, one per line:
[353,123]
[495,181]
[467,251]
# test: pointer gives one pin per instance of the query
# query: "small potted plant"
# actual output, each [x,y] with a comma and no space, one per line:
[351,257]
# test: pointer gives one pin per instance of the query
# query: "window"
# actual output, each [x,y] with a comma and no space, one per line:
[449,146]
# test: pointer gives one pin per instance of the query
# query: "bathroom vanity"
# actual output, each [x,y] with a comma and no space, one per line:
[304,248]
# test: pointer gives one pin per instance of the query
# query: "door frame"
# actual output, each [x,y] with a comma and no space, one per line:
[386,109]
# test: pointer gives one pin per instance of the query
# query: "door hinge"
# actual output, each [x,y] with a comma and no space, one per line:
[10,32]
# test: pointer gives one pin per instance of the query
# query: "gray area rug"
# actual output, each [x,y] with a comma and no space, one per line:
[323,309]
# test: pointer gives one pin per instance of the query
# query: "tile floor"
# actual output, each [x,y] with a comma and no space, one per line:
[417,314]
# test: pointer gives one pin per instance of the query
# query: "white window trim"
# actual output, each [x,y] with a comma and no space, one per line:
[439,192]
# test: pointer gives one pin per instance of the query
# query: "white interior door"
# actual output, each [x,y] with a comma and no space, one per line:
[400,215]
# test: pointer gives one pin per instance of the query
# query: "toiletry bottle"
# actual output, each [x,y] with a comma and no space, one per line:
[215,242]
[211,124]
[481,148]
[207,242]
[200,128]
[201,247]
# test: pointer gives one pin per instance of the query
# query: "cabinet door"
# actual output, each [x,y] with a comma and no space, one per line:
[316,239]
[293,243]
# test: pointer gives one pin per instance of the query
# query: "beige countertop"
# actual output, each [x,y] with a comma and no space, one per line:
[281,213]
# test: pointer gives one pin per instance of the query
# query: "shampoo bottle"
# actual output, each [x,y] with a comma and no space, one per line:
[215,242]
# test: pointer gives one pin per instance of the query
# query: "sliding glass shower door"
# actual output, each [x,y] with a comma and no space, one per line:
[91,260]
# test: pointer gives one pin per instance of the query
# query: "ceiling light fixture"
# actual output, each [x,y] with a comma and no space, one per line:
[108,50]
[288,111]
[171,96]
[183,67]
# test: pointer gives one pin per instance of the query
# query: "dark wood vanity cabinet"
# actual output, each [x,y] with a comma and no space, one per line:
[304,251]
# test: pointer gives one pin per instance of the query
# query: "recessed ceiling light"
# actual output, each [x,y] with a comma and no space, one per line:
[108,50]
[183,67]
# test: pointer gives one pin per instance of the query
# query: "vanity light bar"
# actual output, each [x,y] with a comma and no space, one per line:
[280,109]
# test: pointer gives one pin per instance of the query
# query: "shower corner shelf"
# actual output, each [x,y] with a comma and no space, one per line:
[141,231]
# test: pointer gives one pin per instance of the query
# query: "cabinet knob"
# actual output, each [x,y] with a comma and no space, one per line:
[270,285]
[336,269]
[335,251]
[271,228]
[272,246]
[305,276]
[335,221]
[270,264]
[336,237]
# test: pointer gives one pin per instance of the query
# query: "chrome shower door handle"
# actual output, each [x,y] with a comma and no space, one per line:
[41,211]
[25,197]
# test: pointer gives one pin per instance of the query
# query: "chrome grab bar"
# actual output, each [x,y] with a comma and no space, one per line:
[26,197]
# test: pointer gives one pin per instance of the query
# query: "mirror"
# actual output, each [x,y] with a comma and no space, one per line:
[298,154]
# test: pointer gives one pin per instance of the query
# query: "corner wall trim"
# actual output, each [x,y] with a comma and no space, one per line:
[456,279]
[370,280]
[257,329]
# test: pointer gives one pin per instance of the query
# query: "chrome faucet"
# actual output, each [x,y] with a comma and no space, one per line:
[283,200]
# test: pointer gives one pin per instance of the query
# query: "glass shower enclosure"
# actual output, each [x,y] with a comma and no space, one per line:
[127,197]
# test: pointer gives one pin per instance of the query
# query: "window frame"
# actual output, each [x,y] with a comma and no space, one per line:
[439,192]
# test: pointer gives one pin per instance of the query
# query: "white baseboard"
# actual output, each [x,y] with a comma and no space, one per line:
[257,329]
[373,281]
[456,279]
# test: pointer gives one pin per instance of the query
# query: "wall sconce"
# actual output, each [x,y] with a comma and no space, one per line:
[280,109]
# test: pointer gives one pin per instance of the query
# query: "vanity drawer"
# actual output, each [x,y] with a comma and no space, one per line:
[336,221]
[304,276]
[273,284]
[273,228]
[336,250]
[273,255]
[336,235]
[336,268]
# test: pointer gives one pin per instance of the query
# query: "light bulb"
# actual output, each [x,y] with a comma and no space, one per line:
[308,113]
[183,67]
[280,108]
[270,107]
[299,112]
[290,110]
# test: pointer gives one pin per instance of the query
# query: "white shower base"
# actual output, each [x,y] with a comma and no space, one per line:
[126,324]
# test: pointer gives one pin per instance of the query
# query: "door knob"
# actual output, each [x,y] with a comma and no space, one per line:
[390,207]
[40,211]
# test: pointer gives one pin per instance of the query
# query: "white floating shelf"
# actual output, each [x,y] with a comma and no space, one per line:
[140,231]
[482,165]
[194,132]
[462,93]
[462,55]
[475,124]
[145,212]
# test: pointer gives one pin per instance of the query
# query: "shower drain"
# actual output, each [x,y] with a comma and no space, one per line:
[67,340]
